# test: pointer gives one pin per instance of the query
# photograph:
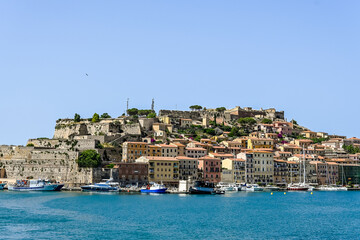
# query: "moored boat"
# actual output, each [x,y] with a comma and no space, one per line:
[252,188]
[331,188]
[104,186]
[271,188]
[298,187]
[154,188]
[2,185]
[35,185]
[226,186]
[201,187]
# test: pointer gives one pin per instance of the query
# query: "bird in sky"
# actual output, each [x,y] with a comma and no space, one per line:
[86,74]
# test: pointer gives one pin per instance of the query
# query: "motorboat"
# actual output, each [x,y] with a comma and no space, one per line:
[298,187]
[2,185]
[331,188]
[201,187]
[271,188]
[35,185]
[226,186]
[252,188]
[107,185]
[153,188]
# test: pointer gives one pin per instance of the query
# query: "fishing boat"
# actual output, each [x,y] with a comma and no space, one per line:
[2,185]
[107,185]
[35,185]
[154,188]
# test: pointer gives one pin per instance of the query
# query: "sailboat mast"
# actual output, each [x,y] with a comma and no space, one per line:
[304,165]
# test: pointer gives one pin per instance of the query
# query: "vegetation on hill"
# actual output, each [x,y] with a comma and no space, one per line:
[351,149]
[89,158]
[77,118]
[266,121]
[95,118]
[105,115]
[196,107]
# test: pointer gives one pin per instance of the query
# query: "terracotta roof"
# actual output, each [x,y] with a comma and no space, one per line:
[236,159]
[168,146]
[222,154]
[208,158]
[185,158]
[196,149]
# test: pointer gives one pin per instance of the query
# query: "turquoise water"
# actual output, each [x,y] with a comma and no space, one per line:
[69,215]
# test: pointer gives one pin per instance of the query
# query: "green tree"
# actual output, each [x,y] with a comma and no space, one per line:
[247,124]
[220,109]
[144,112]
[195,107]
[95,118]
[105,115]
[89,158]
[77,118]
[294,122]
[132,111]
[266,121]
[209,131]
[151,115]
[234,132]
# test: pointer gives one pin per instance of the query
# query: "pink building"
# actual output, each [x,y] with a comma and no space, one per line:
[210,168]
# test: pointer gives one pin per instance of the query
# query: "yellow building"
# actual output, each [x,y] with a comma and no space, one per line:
[255,143]
[309,134]
[243,141]
[263,166]
[162,169]
[303,142]
[134,150]
[154,151]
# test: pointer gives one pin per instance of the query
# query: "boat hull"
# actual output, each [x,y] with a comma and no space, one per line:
[297,188]
[163,190]
[2,185]
[99,189]
[52,187]
[201,190]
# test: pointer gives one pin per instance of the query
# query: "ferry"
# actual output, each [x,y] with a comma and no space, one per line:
[107,185]
[154,188]
[35,185]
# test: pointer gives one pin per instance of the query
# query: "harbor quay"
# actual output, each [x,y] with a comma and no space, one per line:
[238,149]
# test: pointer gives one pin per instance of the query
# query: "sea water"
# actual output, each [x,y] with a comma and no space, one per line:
[237,215]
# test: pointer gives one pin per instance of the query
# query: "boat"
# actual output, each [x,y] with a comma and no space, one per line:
[226,186]
[154,188]
[35,185]
[2,185]
[300,186]
[107,185]
[271,188]
[201,187]
[252,188]
[331,188]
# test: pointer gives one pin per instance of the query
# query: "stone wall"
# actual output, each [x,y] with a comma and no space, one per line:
[194,115]
[57,164]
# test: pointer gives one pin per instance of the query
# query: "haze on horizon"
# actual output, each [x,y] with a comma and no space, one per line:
[59,58]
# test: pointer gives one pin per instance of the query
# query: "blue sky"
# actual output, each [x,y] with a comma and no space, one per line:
[298,56]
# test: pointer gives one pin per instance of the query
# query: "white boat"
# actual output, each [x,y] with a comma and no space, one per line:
[271,188]
[226,186]
[107,185]
[331,188]
[35,185]
[252,188]
[301,186]
[2,185]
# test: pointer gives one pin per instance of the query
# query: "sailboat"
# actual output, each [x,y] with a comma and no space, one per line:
[301,186]
[331,186]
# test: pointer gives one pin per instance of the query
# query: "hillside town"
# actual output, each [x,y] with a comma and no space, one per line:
[238,145]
